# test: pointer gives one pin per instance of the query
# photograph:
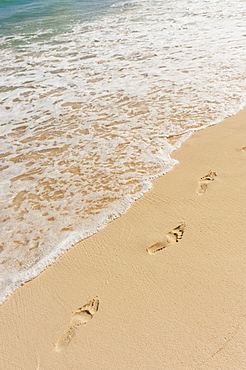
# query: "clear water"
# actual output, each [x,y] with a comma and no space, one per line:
[94,98]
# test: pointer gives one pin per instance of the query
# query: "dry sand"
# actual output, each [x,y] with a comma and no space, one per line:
[109,304]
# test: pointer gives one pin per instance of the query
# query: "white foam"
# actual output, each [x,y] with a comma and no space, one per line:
[86,117]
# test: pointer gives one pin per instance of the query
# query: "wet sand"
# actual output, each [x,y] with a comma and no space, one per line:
[162,287]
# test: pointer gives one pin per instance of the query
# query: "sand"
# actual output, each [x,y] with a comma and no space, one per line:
[108,303]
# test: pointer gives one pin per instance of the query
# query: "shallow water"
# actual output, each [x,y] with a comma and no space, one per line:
[94,99]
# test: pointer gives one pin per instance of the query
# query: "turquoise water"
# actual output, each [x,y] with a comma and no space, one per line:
[54,16]
[94,98]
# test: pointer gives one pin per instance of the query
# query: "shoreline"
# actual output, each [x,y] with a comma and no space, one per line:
[62,247]
[182,308]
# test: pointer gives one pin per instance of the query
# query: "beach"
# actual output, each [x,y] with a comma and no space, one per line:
[109,304]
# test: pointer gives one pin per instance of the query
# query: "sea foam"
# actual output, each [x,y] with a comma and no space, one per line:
[91,116]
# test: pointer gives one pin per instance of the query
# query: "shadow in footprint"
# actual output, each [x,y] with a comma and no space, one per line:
[80,317]
[170,238]
[204,181]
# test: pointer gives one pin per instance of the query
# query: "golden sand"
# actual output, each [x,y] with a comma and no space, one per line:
[109,304]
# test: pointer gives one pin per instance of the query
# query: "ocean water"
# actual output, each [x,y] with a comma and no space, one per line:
[94,98]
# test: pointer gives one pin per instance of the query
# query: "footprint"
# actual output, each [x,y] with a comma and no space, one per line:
[204,181]
[170,238]
[80,317]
